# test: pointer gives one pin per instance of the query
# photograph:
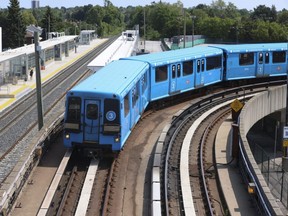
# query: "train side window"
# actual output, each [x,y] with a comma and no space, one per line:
[260,58]
[213,62]
[144,82]
[92,111]
[266,58]
[135,94]
[74,109]
[198,66]
[187,68]
[202,65]
[173,71]
[279,57]
[161,73]
[246,58]
[178,70]
[126,105]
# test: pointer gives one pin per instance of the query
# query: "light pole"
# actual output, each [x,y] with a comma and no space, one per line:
[193,17]
[286,119]
[144,29]
[184,29]
[285,140]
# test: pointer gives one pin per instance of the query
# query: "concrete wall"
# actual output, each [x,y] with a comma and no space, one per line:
[262,105]
[258,107]
[0,39]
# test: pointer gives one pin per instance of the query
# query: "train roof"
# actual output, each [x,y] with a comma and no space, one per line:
[252,47]
[161,58]
[114,78]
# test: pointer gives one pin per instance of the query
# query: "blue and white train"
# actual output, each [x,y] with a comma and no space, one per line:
[102,110]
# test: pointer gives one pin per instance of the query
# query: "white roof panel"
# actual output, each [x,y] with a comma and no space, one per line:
[28,49]
[121,48]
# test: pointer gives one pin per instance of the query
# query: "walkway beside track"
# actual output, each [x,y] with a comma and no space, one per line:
[234,190]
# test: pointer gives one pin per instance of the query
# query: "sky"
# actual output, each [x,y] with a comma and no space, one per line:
[240,4]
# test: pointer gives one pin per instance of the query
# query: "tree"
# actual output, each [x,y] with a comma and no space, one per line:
[283,17]
[28,18]
[264,13]
[15,33]
[113,19]
[231,11]
[166,19]
[47,23]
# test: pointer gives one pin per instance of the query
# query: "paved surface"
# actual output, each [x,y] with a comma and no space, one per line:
[235,192]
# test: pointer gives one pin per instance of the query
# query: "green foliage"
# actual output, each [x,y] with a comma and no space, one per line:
[283,17]
[28,18]
[264,13]
[14,34]
[49,23]
[221,21]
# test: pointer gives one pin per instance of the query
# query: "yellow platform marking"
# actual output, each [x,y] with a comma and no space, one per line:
[48,76]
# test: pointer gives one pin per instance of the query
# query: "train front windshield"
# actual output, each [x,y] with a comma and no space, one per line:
[73,115]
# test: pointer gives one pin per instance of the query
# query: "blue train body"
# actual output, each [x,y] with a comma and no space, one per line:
[102,110]
[178,71]
[254,60]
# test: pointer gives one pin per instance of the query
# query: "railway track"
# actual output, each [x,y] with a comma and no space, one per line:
[68,192]
[20,119]
[205,175]
[193,133]
[200,164]
[19,136]
[129,190]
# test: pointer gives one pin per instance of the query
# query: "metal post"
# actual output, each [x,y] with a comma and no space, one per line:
[144,29]
[285,158]
[193,17]
[275,143]
[282,181]
[286,120]
[184,30]
[38,81]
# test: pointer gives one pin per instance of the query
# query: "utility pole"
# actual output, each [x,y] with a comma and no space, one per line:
[193,17]
[285,128]
[144,30]
[38,81]
[184,45]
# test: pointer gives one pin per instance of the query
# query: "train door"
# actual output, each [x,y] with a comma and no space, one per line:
[200,67]
[175,73]
[260,65]
[91,121]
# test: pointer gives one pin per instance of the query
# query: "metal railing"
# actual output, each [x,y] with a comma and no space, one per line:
[275,176]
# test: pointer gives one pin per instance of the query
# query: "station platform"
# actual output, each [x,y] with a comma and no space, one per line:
[9,93]
[235,192]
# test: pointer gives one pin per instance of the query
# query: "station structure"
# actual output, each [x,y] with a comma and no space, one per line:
[15,64]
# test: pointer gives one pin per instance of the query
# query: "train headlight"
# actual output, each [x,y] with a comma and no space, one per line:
[67,136]
[117,139]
